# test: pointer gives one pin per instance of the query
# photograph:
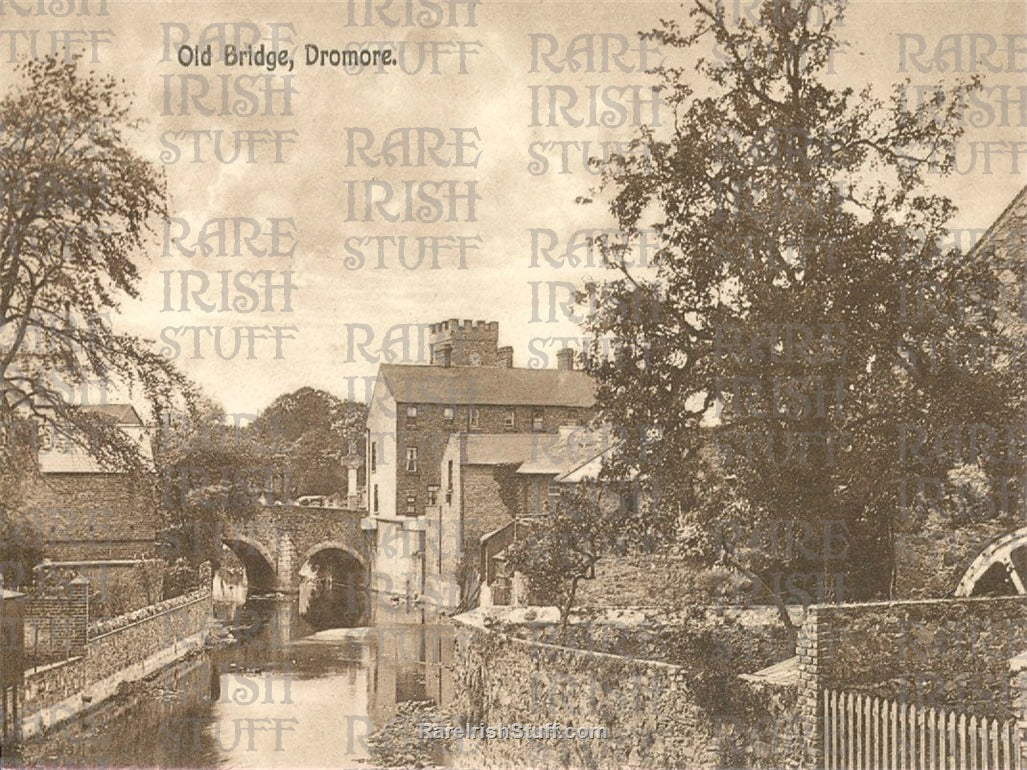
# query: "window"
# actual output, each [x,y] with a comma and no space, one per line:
[411,505]
[554,493]
[44,435]
[433,494]
[376,498]
[630,498]
[412,459]
[536,423]
[448,413]
[374,457]
[508,420]
[449,471]
[474,417]
[411,412]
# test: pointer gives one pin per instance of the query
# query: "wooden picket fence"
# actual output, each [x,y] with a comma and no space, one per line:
[864,732]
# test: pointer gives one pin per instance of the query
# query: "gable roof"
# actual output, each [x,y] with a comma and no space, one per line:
[488,385]
[65,456]
[1007,230]
[122,414]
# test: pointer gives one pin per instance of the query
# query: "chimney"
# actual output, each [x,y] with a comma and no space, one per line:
[504,357]
[565,359]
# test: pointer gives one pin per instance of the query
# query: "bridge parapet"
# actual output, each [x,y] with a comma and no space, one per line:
[285,537]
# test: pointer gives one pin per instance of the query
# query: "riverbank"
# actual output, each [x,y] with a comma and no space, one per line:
[284,694]
[125,649]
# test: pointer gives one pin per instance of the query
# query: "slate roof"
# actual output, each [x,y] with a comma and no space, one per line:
[66,457]
[488,385]
[499,448]
[568,451]
[123,414]
[1008,225]
[575,449]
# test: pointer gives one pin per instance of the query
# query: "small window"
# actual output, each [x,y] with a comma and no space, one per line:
[374,458]
[376,498]
[411,412]
[630,501]
[450,475]
[448,414]
[411,505]
[433,495]
[412,459]
[44,436]
[474,417]
[509,420]
[536,423]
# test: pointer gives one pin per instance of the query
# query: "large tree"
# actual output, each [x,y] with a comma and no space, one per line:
[778,380]
[209,470]
[77,206]
[309,432]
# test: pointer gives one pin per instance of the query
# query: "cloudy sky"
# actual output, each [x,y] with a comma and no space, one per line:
[475,73]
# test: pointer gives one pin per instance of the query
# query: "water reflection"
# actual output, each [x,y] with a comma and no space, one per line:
[283,695]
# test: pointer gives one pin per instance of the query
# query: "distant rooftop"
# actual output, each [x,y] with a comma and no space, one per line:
[573,454]
[65,456]
[123,414]
[502,386]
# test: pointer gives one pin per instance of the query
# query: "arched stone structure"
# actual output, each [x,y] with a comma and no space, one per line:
[337,545]
[343,599]
[258,561]
[1000,568]
[287,537]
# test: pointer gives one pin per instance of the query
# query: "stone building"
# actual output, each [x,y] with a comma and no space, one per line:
[471,387]
[87,512]
[490,482]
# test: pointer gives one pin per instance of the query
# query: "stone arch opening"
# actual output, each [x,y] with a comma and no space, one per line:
[334,587]
[259,564]
[999,570]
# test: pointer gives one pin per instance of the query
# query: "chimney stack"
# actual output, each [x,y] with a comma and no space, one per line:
[565,359]
[504,357]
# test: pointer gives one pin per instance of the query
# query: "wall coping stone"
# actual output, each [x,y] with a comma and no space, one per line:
[102,628]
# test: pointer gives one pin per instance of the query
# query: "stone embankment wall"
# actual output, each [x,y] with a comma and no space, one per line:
[946,653]
[693,712]
[122,649]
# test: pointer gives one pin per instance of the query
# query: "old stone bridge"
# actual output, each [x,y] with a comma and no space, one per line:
[281,544]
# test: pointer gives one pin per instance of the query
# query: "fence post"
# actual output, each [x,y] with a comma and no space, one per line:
[1018,692]
[78,594]
[815,649]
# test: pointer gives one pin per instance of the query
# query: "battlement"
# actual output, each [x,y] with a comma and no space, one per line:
[464,343]
[454,325]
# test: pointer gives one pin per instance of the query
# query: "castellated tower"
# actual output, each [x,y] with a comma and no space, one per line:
[464,343]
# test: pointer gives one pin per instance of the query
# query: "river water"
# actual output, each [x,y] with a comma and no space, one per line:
[283,695]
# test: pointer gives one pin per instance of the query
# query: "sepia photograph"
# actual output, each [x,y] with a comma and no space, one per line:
[498,384]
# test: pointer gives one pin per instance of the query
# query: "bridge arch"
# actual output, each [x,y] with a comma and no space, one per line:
[257,559]
[1001,568]
[332,545]
[334,586]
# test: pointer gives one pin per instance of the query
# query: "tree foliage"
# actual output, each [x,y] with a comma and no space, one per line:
[308,433]
[209,469]
[556,551]
[77,205]
[775,363]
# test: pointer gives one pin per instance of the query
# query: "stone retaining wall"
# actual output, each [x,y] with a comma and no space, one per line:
[119,650]
[652,717]
[946,653]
